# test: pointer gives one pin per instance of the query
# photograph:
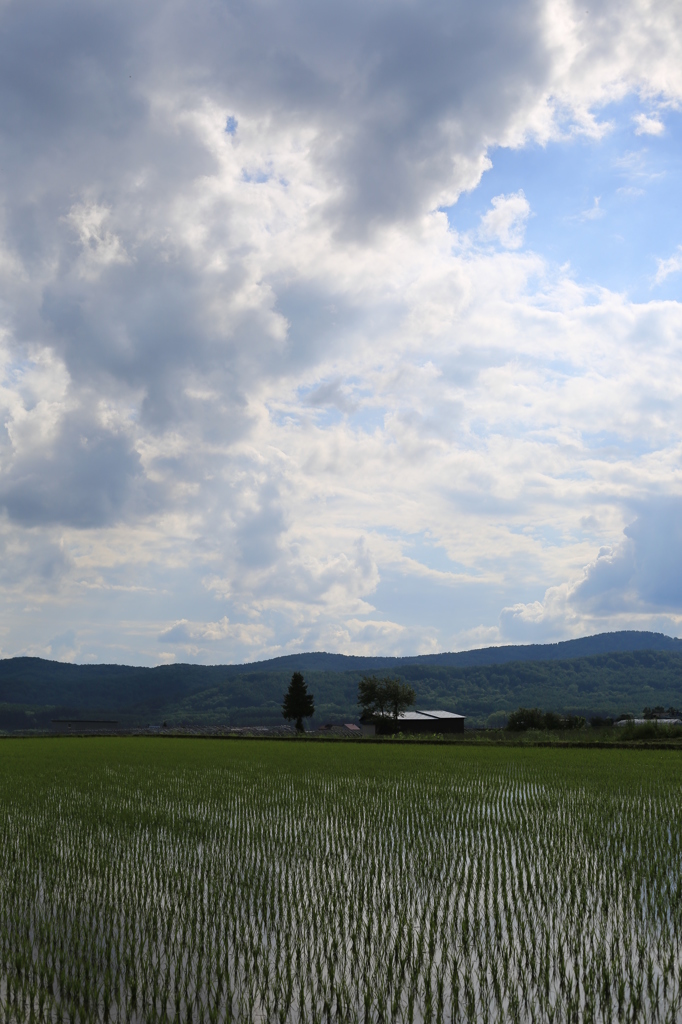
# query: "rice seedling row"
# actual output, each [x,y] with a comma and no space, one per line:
[239,882]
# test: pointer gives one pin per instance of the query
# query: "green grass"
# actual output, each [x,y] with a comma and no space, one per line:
[162,879]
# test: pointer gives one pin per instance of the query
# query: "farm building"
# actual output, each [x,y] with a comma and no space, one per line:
[414,721]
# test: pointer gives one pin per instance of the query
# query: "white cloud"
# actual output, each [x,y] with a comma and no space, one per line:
[595,212]
[648,125]
[195,638]
[241,370]
[100,247]
[670,266]
[506,222]
[636,583]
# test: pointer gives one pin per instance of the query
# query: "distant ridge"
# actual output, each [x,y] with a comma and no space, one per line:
[608,673]
[321,661]
[583,647]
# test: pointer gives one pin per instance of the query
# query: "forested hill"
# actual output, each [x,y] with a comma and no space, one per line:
[638,669]
[583,647]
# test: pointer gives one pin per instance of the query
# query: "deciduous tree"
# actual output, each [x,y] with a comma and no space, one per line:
[384,698]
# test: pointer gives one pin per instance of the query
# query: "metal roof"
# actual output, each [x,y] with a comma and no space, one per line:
[426,716]
[414,716]
[441,714]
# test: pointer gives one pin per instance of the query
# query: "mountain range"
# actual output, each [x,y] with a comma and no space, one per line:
[608,673]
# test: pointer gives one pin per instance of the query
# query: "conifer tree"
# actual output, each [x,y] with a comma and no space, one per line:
[298,703]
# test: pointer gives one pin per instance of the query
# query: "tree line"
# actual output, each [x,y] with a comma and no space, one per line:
[388,698]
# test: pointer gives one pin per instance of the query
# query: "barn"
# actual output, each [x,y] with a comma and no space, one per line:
[414,722]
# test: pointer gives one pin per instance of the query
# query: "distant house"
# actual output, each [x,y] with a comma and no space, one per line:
[414,722]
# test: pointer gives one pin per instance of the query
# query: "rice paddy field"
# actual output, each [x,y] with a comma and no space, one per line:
[192,880]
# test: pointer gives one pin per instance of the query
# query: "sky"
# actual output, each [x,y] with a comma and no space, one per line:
[349,327]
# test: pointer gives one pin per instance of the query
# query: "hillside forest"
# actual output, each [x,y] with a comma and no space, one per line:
[34,692]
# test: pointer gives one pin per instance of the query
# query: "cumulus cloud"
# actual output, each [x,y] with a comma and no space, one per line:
[646,568]
[200,638]
[331,393]
[648,125]
[506,222]
[100,247]
[639,579]
[219,230]
[32,565]
[83,475]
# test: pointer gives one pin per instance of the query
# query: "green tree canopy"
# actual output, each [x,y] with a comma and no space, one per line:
[385,697]
[298,703]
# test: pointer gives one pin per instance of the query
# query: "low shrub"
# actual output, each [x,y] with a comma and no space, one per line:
[534,718]
[650,731]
